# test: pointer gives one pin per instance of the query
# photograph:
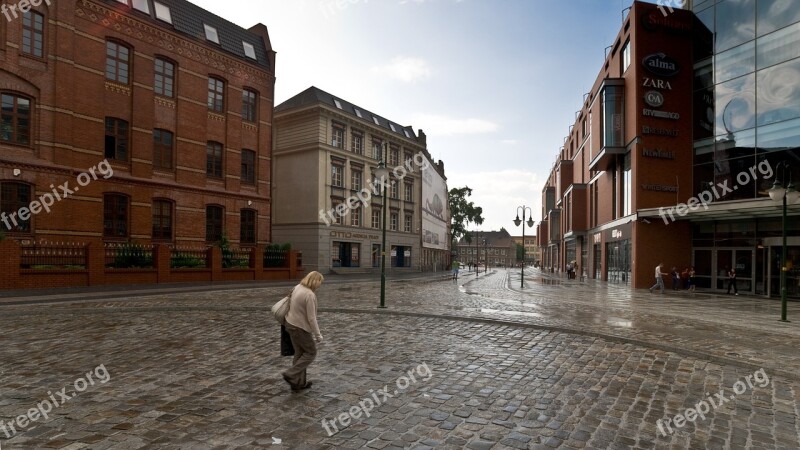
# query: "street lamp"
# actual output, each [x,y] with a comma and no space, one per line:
[382,173]
[788,195]
[517,221]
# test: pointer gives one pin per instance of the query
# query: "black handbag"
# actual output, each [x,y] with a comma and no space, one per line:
[287,349]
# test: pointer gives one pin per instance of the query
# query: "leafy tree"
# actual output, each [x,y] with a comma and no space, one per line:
[520,253]
[463,212]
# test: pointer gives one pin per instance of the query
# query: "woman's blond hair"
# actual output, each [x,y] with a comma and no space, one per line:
[313,280]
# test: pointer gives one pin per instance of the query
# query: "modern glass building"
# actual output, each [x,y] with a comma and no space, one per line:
[746,115]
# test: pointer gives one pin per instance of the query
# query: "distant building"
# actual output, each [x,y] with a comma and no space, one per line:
[176,99]
[530,246]
[496,247]
[326,153]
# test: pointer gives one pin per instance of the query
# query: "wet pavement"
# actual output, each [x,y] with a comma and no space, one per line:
[478,363]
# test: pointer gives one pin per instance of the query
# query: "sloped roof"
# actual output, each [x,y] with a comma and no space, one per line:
[188,19]
[494,238]
[314,95]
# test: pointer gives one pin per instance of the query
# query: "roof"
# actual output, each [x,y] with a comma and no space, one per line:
[314,95]
[189,19]
[493,238]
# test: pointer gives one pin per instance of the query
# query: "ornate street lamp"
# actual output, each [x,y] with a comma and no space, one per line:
[382,173]
[788,195]
[517,221]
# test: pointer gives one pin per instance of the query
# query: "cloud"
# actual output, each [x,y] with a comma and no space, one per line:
[509,141]
[405,69]
[439,125]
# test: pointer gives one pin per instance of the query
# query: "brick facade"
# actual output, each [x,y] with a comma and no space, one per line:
[72,99]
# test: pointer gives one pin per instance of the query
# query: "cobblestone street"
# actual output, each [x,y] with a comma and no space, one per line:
[558,364]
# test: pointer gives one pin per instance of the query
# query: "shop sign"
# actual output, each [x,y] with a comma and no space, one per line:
[655,83]
[661,65]
[662,114]
[349,235]
[654,98]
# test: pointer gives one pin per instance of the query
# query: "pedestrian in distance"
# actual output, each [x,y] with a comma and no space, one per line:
[455,266]
[676,278]
[301,323]
[659,278]
[691,279]
[732,281]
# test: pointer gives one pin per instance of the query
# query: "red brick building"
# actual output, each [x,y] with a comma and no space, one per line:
[175,101]
[627,151]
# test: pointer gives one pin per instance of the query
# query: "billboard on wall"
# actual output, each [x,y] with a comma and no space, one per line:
[434,209]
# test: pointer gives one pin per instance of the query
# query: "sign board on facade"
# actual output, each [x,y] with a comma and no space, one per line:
[661,65]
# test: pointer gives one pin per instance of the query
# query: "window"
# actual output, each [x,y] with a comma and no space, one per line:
[391,125]
[249,105]
[337,135]
[358,143]
[627,188]
[13,197]
[394,156]
[142,6]
[214,159]
[407,223]
[337,103]
[162,12]
[216,95]
[358,112]
[248,167]
[33,33]
[376,218]
[211,33]
[376,149]
[115,216]
[164,83]
[162,149]
[355,217]
[613,116]
[117,62]
[409,192]
[626,56]
[116,145]
[214,215]
[247,227]
[15,125]
[393,221]
[355,180]
[375,119]
[393,190]
[408,135]
[162,220]
[249,50]
[337,175]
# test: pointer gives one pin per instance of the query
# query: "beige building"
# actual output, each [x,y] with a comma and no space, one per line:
[531,249]
[327,201]
[496,247]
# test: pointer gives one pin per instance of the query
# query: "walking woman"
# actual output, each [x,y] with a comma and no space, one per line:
[301,323]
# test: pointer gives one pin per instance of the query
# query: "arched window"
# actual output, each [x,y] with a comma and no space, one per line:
[215,215]
[15,119]
[15,199]
[163,222]
[116,217]
[118,61]
[33,34]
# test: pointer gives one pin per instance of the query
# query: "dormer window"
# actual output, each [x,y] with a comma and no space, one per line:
[211,33]
[162,12]
[408,135]
[358,112]
[375,119]
[141,5]
[249,50]
[337,103]
[391,125]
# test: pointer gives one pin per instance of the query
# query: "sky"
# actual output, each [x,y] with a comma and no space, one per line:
[494,84]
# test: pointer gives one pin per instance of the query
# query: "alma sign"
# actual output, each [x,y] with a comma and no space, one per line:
[661,65]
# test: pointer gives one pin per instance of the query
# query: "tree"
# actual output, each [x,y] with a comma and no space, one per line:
[463,212]
[520,253]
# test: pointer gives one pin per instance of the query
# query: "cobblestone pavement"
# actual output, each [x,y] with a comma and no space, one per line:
[474,364]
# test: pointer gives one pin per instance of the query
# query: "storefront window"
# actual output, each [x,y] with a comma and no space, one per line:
[613,116]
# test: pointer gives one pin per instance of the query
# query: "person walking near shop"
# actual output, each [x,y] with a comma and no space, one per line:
[676,279]
[732,281]
[301,323]
[690,282]
[659,279]
[455,266]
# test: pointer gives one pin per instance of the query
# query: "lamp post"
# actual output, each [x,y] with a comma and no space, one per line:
[382,173]
[517,221]
[477,254]
[788,195]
